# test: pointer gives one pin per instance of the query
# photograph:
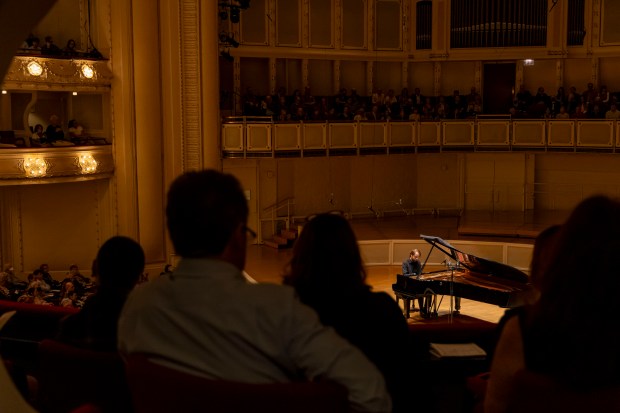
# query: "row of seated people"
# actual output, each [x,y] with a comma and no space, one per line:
[40,288]
[389,106]
[32,46]
[205,319]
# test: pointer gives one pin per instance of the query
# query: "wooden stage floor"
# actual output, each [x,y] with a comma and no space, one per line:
[266,264]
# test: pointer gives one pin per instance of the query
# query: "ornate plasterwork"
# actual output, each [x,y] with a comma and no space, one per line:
[190,84]
[54,164]
[58,73]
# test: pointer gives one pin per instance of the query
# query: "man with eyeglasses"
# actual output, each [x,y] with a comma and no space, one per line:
[205,319]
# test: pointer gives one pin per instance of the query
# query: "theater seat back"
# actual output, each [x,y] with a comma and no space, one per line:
[158,389]
[70,377]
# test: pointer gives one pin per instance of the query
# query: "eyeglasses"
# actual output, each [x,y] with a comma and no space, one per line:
[332,212]
[252,234]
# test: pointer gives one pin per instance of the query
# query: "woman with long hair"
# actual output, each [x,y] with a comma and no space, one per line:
[327,272]
[571,335]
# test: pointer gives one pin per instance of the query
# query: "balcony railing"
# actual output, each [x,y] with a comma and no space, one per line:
[259,137]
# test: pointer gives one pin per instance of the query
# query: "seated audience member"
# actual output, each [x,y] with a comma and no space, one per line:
[327,272]
[38,278]
[71,300]
[206,319]
[55,136]
[558,337]
[119,263]
[613,112]
[49,48]
[9,279]
[38,138]
[69,49]
[79,281]
[47,277]
[76,133]
[562,114]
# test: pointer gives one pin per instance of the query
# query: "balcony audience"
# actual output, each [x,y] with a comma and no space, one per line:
[54,134]
[327,272]
[119,263]
[206,319]
[557,340]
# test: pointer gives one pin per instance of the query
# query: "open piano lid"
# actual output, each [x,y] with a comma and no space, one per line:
[475,264]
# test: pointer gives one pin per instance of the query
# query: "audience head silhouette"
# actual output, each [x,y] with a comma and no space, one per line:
[207,214]
[119,263]
[581,276]
[542,254]
[326,260]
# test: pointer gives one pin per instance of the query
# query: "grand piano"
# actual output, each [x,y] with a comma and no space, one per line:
[465,276]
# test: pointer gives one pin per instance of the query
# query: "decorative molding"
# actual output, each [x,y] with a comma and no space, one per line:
[62,164]
[436,78]
[190,84]
[559,73]
[406,13]
[338,23]
[57,74]
[305,23]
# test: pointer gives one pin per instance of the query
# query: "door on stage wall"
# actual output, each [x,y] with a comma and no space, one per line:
[498,87]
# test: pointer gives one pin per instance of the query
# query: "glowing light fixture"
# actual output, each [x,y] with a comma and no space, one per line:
[35,167]
[88,164]
[528,62]
[74,93]
[4,92]
[87,71]
[35,68]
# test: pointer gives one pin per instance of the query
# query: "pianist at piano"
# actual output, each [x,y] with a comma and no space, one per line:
[466,276]
[412,265]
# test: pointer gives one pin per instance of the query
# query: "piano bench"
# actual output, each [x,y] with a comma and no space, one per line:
[406,302]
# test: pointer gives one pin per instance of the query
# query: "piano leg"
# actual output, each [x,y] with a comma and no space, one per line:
[407,305]
[457,305]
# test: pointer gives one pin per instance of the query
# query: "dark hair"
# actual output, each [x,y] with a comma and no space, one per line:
[542,253]
[71,123]
[119,263]
[204,209]
[574,326]
[326,261]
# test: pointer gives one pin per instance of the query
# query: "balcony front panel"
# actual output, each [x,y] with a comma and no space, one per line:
[259,137]
[315,136]
[528,133]
[52,165]
[595,134]
[458,133]
[402,133]
[429,133]
[493,133]
[343,135]
[232,137]
[561,133]
[373,134]
[286,136]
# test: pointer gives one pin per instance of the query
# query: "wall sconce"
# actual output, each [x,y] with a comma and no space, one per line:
[87,163]
[34,167]
[87,71]
[74,93]
[4,92]
[34,68]
[528,62]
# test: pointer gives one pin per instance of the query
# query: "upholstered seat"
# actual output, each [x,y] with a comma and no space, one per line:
[158,389]
[70,377]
